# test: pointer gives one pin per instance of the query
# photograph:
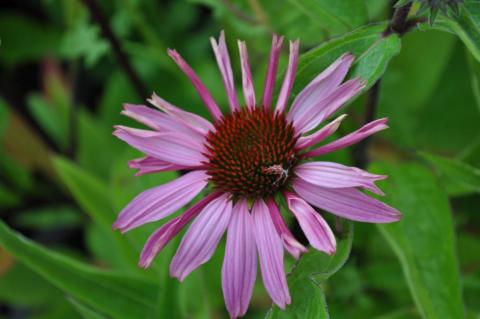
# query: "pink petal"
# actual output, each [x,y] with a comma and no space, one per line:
[201,239]
[334,175]
[159,121]
[289,77]
[270,252]
[160,238]
[322,86]
[161,201]
[346,202]
[326,106]
[247,82]
[193,121]
[271,71]
[313,225]
[352,138]
[239,269]
[223,61]
[321,134]
[148,164]
[289,242]
[172,147]
[197,83]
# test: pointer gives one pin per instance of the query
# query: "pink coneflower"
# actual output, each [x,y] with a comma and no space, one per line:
[249,156]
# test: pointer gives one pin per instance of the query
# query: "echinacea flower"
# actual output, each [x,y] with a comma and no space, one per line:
[249,156]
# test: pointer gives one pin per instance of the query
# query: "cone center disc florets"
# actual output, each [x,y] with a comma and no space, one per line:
[251,153]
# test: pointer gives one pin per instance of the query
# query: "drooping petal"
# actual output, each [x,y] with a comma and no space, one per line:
[223,61]
[324,107]
[159,121]
[289,242]
[161,201]
[349,139]
[194,121]
[270,253]
[172,147]
[313,225]
[271,71]
[349,203]
[334,175]
[321,134]
[152,118]
[160,238]
[197,83]
[201,239]
[247,82]
[148,164]
[239,269]
[289,77]
[321,86]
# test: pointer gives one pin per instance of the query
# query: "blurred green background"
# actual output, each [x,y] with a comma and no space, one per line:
[64,177]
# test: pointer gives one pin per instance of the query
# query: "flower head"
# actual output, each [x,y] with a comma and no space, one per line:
[249,156]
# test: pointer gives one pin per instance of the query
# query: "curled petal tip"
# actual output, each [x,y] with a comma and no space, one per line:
[145,262]
[179,277]
[381,177]
[116,226]
[383,120]
[348,57]
[331,251]
[173,54]
[363,83]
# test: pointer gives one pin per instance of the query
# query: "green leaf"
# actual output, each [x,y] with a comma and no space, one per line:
[424,239]
[310,20]
[17,32]
[85,311]
[474,68]
[20,286]
[371,49]
[90,192]
[333,16]
[14,174]
[412,79]
[49,217]
[84,40]
[8,198]
[459,177]
[118,295]
[117,90]
[4,117]
[94,138]
[304,281]
[48,119]
[466,25]
[93,197]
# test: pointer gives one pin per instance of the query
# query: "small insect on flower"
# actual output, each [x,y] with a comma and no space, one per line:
[249,156]
[278,170]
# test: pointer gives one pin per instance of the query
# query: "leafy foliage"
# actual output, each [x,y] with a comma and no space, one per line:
[306,278]
[424,240]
